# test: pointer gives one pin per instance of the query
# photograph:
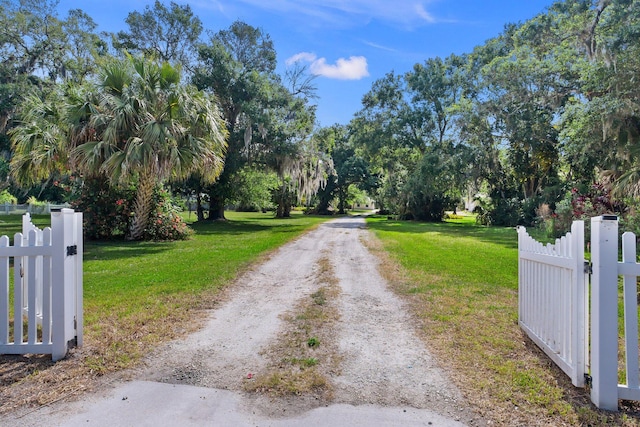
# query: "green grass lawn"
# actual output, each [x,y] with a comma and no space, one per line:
[462,281]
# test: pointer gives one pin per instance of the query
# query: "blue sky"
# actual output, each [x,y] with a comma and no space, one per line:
[348,43]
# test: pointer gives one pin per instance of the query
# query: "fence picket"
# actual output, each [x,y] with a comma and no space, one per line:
[4,293]
[79,290]
[31,284]
[46,291]
[630,311]
[18,292]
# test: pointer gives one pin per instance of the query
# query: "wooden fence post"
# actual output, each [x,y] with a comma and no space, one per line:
[604,312]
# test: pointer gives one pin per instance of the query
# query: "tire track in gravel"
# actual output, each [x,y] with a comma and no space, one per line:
[386,376]
[383,360]
[229,347]
[385,363]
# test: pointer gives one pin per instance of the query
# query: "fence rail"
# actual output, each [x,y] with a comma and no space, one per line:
[33,209]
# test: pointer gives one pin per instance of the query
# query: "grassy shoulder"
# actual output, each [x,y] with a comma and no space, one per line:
[461,281]
[138,294]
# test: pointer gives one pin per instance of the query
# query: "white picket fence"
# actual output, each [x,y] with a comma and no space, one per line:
[552,302]
[47,287]
[11,209]
[554,306]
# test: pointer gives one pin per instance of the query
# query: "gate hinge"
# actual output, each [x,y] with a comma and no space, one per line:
[72,250]
[588,268]
[588,380]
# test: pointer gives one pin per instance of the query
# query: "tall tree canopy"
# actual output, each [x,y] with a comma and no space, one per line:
[548,104]
[168,33]
[266,121]
[529,118]
[138,124]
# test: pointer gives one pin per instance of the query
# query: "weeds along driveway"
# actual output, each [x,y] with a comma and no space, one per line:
[313,333]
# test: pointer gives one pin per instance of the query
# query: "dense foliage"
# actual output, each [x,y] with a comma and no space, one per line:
[531,121]
[521,129]
[106,209]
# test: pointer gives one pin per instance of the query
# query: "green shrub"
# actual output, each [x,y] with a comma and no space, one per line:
[630,221]
[583,204]
[253,190]
[499,211]
[106,210]
[35,202]
[425,192]
[6,197]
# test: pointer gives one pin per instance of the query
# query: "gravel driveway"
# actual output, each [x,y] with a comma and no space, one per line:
[386,375]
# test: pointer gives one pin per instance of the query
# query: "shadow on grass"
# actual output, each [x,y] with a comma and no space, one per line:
[234,227]
[504,236]
[230,227]
[117,249]
[120,249]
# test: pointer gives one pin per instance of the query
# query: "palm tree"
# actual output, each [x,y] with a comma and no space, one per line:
[147,127]
[140,124]
[39,140]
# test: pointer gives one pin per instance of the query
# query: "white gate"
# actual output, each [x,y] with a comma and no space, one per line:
[546,296]
[47,287]
[552,298]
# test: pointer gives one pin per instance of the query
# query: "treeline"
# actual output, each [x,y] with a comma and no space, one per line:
[540,123]
[107,120]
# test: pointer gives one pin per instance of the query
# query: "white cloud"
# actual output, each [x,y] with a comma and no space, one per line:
[354,68]
[302,56]
[429,18]
[341,13]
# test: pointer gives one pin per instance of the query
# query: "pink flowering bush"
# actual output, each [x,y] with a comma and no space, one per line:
[165,222]
[108,211]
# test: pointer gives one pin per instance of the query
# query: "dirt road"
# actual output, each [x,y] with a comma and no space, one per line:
[384,375]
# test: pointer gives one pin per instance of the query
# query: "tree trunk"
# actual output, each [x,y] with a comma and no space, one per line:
[342,196]
[199,209]
[142,205]
[220,192]
[325,196]
[323,206]
[283,210]
[216,207]
[284,204]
